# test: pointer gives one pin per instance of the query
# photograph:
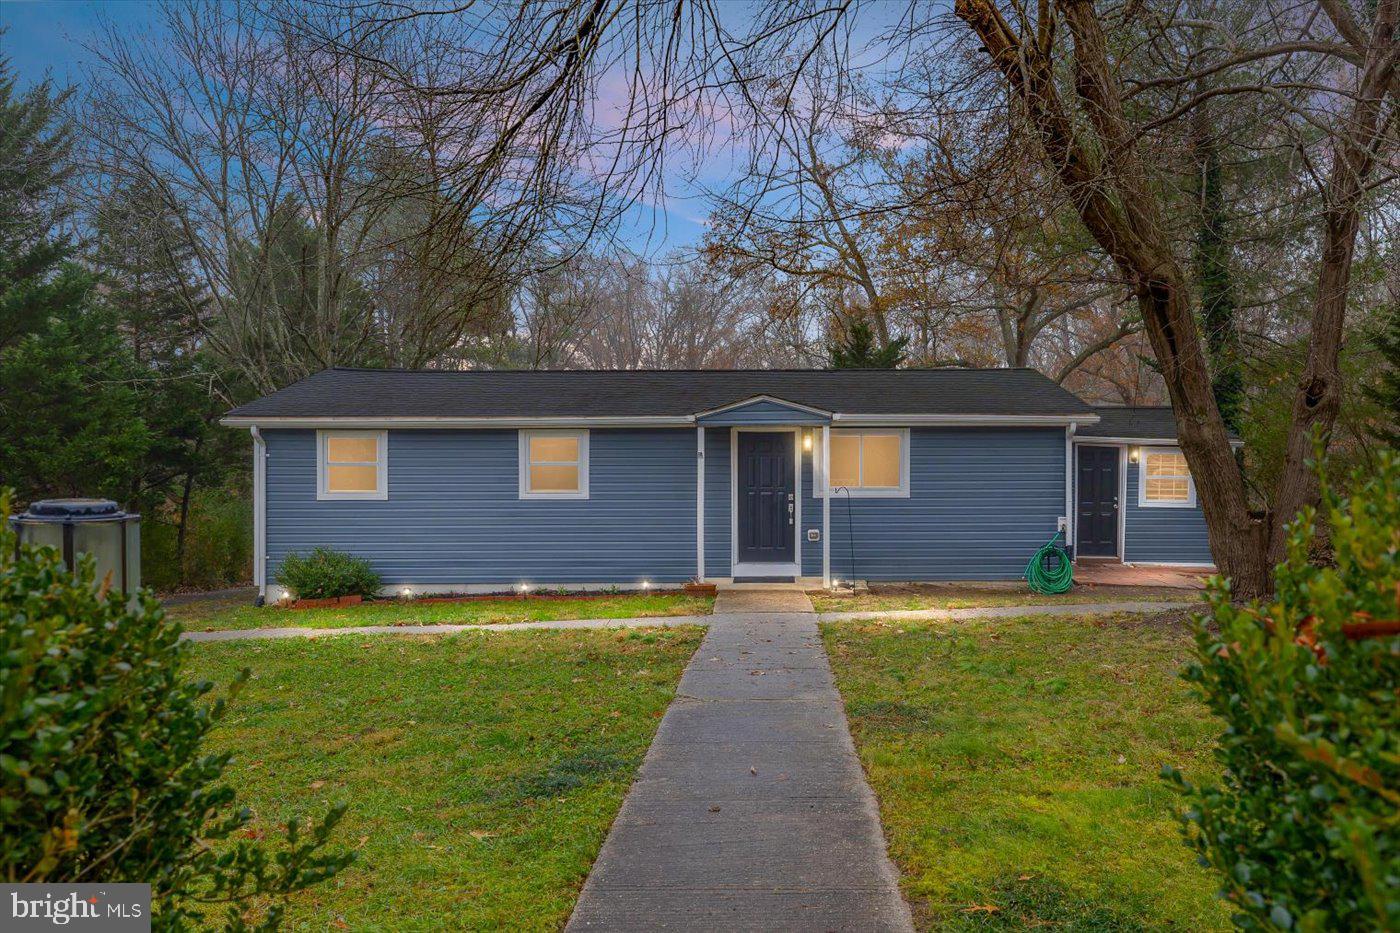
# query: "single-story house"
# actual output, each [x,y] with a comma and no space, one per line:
[482,481]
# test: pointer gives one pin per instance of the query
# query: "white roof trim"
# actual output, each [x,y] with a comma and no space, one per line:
[1139,441]
[447,422]
[776,400]
[918,420]
[652,421]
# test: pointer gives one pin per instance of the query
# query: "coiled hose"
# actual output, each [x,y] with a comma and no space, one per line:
[1046,579]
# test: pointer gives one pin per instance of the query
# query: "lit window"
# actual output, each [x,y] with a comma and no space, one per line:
[352,465]
[554,464]
[1164,480]
[870,463]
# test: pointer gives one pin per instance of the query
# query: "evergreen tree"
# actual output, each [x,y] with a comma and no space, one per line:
[34,145]
[858,349]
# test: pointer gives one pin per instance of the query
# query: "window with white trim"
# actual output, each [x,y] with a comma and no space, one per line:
[869,462]
[553,464]
[1164,480]
[352,464]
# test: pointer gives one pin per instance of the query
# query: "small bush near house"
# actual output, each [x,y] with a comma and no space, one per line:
[1302,827]
[103,772]
[325,573]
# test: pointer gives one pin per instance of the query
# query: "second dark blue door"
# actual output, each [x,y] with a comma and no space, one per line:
[767,497]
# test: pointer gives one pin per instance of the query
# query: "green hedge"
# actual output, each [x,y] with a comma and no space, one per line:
[1304,825]
[103,774]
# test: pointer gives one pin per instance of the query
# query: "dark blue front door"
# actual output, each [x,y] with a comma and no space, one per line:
[767,497]
[1097,519]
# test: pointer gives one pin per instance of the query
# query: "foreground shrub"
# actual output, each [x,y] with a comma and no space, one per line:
[103,776]
[1304,826]
[325,573]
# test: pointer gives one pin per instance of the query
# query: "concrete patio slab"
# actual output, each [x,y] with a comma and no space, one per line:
[751,811]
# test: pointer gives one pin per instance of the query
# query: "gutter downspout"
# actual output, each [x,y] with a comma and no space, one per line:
[1069,487]
[259,514]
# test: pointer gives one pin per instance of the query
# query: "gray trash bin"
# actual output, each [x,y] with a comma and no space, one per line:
[87,526]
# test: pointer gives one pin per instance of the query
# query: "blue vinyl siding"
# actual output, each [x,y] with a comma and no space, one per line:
[1162,536]
[763,412]
[717,502]
[453,515]
[981,500]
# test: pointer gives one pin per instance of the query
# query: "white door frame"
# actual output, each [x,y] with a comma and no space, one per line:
[1122,496]
[737,569]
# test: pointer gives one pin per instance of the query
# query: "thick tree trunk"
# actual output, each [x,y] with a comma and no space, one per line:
[1108,188]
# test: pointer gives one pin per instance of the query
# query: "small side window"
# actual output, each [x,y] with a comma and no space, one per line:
[1164,480]
[553,464]
[352,465]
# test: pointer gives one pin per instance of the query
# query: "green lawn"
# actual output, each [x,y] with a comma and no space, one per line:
[1016,762]
[482,770]
[199,617]
[938,596]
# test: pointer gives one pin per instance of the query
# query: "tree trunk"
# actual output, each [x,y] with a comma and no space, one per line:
[1319,395]
[181,532]
[1109,189]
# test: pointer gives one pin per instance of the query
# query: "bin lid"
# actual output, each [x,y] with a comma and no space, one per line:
[73,510]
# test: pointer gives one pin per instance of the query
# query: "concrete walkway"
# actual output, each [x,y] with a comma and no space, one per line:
[751,811]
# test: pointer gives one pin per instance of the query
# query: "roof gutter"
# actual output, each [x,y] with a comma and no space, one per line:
[926,420]
[648,421]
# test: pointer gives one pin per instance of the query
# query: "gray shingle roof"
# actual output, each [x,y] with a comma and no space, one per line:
[1146,421]
[378,393]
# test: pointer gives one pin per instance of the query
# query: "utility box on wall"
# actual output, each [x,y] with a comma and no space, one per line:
[86,526]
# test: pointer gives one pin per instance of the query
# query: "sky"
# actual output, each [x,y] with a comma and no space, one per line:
[46,38]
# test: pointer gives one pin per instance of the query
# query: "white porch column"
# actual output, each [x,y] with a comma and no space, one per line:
[700,503]
[825,490]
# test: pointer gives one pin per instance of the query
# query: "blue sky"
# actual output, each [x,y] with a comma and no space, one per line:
[47,37]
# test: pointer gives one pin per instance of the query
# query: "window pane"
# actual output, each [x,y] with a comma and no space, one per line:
[351,449]
[352,479]
[553,479]
[547,449]
[845,460]
[881,460]
[1159,464]
[1168,490]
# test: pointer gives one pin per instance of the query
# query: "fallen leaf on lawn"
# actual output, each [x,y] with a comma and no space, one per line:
[340,924]
[615,713]
[982,908]
[1122,760]
[317,785]
[481,834]
[361,843]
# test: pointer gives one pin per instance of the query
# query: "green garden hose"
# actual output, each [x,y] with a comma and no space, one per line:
[1046,579]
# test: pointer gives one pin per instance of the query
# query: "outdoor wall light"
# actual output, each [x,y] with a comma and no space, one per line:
[807,441]
[1133,454]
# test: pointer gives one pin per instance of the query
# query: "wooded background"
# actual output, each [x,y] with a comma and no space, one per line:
[1190,203]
